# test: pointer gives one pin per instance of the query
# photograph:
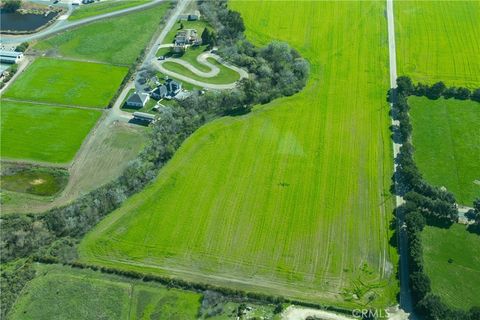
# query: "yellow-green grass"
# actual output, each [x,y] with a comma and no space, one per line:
[68,82]
[42,132]
[118,40]
[453,265]
[64,293]
[98,8]
[446,136]
[292,198]
[225,76]
[439,41]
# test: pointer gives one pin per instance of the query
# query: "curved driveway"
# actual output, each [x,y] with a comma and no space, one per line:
[202,59]
[61,25]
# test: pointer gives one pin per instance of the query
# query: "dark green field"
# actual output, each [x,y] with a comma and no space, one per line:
[34,180]
[77,83]
[446,136]
[42,132]
[452,263]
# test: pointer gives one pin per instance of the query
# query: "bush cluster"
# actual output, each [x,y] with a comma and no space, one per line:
[424,205]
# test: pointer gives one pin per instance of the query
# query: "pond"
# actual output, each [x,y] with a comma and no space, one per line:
[16,22]
[34,180]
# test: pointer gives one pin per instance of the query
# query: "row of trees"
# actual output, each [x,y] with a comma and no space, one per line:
[424,204]
[437,90]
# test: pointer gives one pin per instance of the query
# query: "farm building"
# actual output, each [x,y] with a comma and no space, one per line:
[10,56]
[144,117]
[137,100]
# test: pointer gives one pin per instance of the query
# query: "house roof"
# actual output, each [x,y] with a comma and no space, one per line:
[10,54]
[160,90]
[137,98]
[143,115]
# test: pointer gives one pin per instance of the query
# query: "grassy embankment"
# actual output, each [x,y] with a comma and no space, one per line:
[446,136]
[291,199]
[95,9]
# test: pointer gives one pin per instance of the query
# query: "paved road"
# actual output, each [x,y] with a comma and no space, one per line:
[61,25]
[202,59]
[405,295]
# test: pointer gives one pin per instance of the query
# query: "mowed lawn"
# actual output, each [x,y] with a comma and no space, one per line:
[103,7]
[456,282]
[439,41]
[118,40]
[292,198]
[446,136]
[42,132]
[68,82]
[225,76]
[64,293]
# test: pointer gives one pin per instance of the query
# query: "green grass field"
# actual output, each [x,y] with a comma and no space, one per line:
[458,282]
[98,8]
[292,198]
[198,25]
[43,133]
[446,136]
[438,41]
[68,82]
[189,55]
[64,293]
[118,40]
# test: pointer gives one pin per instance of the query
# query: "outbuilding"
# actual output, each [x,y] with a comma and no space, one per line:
[11,57]
[144,117]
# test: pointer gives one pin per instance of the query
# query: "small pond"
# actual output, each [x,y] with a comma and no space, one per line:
[14,21]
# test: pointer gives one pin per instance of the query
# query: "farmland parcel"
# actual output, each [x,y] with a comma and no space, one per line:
[119,40]
[438,41]
[446,137]
[68,82]
[453,265]
[42,132]
[291,199]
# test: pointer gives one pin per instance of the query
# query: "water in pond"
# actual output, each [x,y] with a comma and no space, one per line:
[14,21]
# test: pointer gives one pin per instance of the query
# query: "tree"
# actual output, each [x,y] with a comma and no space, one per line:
[206,38]
[463,93]
[22,47]
[420,285]
[436,90]
[11,5]
[405,85]
[476,95]
[476,205]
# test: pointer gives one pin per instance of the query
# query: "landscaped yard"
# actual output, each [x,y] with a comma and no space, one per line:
[64,293]
[292,199]
[225,76]
[107,6]
[42,132]
[452,263]
[446,136]
[118,40]
[439,41]
[68,82]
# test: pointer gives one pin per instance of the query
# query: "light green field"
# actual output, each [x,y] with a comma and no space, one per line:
[292,198]
[439,41]
[98,8]
[118,40]
[446,136]
[42,132]
[458,282]
[68,82]
[64,293]
[225,76]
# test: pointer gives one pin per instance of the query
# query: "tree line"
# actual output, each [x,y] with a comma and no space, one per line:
[424,205]
[53,234]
